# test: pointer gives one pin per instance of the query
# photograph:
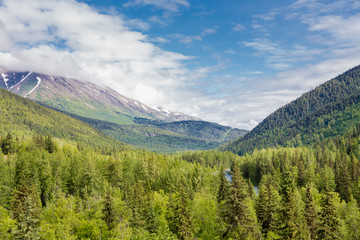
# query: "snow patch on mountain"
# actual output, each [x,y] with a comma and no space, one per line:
[3,75]
[38,83]
[21,80]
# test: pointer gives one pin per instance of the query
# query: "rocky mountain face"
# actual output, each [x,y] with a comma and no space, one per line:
[83,98]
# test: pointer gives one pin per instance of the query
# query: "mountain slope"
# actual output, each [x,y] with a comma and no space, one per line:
[83,98]
[134,122]
[324,112]
[155,135]
[23,116]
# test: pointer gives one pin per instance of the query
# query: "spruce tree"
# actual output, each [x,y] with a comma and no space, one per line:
[268,206]
[241,224]
[49,144]
[108,210]
[7,144]
[292,217]
[28,222]
[311,214]
[180,219]
[26,211]
[223,191]
[329,220]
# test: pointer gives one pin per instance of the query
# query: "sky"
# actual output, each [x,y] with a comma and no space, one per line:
[231,62]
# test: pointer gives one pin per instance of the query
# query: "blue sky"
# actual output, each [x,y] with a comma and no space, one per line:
[232,62]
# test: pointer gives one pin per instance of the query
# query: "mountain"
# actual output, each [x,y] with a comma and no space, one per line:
[164,137]
[83,98]
[122,118]
[324,112]
[24,117]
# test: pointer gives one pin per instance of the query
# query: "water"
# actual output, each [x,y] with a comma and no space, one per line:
[228,177]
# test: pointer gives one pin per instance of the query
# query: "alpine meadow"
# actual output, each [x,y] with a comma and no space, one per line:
[262,140]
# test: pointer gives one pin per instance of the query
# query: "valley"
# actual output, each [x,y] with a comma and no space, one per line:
[72,178]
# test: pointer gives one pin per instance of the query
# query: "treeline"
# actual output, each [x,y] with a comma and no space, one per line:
[53,190]
[325,112]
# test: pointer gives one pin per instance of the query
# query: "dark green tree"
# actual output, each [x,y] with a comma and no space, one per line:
[311,214]
[329,220]
[242,222]
[268,206]
[7,144]
[223,191]
[26,211]
[109,214]
[49,144]
[342,176]
[180,220]
[292,217]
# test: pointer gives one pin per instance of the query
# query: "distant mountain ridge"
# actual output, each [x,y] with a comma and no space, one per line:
[120,117]
[83,98]
[327,111]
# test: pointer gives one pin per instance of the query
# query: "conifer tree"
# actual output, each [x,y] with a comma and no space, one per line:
[268,206]
[329,219]
[108,210]
[28,222]
[7,144]
[180,219]
[292,216]
[49,144]
[223,191]
[241,223]
[311,214]
[26,211]
[139,205]
[342,176]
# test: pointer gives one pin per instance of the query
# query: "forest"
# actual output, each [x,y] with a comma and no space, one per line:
[53,188]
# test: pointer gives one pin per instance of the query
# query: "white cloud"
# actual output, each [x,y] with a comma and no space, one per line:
[280,58]
[237,27]
[189,39]
[168,5]
[72,39]
[208,31]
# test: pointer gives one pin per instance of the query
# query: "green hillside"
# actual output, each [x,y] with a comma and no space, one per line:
[164,137]
[24,117]
[324,112]
[198,129]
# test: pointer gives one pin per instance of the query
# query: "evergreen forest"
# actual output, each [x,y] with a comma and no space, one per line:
[56,189]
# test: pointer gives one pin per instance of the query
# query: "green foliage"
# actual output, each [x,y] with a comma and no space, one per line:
[329,219]
[268,207]
[7,224]
[7,144]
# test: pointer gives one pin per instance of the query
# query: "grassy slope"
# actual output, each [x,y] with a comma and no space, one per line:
[20,115]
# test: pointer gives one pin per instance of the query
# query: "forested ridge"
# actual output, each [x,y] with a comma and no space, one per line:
[324,112]
[164,137]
